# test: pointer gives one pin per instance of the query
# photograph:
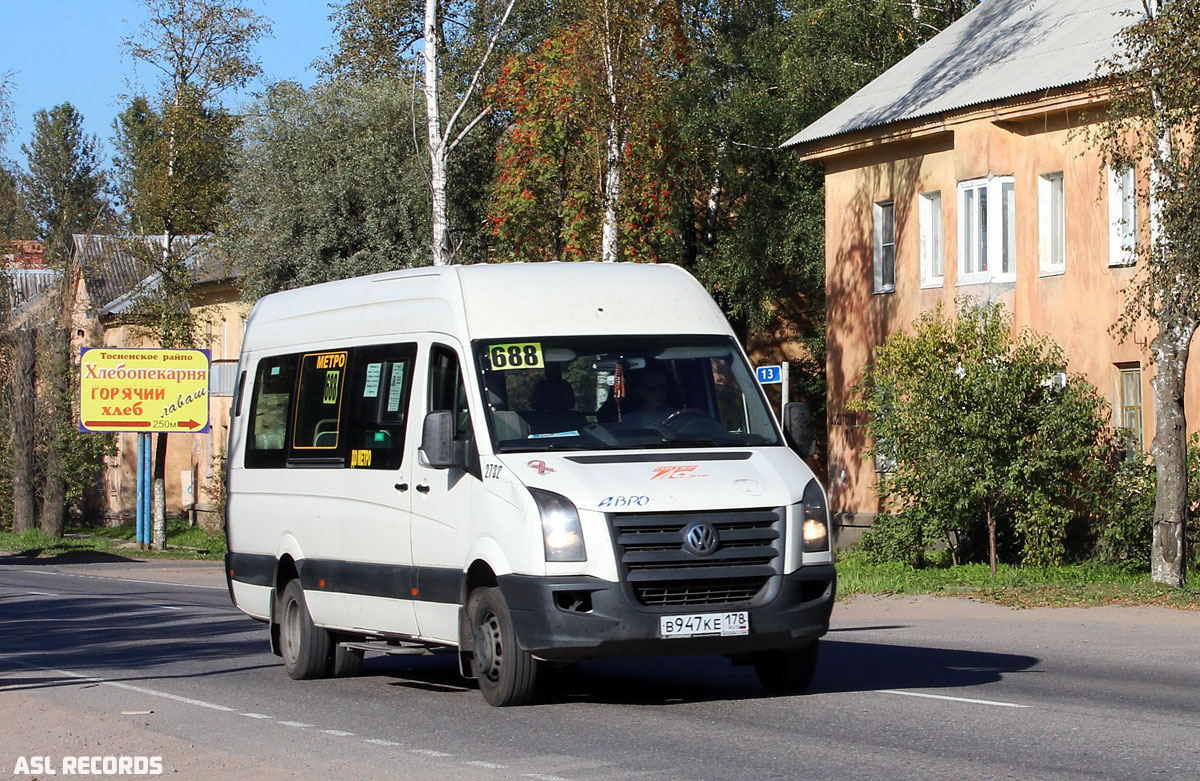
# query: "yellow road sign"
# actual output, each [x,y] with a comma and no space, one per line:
[125,389]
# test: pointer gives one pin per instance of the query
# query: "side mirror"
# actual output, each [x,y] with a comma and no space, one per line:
[797,426]
[438,448]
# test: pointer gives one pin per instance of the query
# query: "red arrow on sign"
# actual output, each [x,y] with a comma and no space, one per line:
[125,423]
[188,424]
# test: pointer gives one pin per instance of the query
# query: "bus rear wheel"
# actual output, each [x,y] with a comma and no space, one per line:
[306,648]
[506,673]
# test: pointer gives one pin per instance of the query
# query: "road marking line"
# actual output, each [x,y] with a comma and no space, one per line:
[429,752]
[126,686]
[954,699]
[543,777]
[380,742]
[256,715]
[125,580]
[488,765]
[337,733]
[300,724]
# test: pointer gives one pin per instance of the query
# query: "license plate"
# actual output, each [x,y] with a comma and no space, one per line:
[705,624]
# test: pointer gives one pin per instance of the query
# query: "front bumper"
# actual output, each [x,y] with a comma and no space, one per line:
[551,624]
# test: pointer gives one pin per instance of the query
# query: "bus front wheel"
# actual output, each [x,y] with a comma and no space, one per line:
[506,673]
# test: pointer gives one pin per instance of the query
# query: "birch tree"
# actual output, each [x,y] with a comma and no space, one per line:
[1152,123]
[375,38]
[441,135]
[636,45]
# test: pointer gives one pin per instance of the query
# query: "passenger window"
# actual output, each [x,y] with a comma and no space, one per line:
[447,391]
[379,394]
[319,403]
[266,443]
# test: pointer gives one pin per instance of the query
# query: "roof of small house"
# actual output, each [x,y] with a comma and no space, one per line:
[115,278]
[1001,49]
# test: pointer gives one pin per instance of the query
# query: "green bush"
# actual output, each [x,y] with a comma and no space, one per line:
[977,436]
[1126,516]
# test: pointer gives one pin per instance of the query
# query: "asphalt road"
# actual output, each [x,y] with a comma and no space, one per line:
[150,659]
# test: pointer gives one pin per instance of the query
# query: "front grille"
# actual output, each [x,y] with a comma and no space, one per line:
[663,572]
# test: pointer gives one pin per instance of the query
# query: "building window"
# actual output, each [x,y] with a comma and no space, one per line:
[1052,237]
[885,247]
[1129,404]
[1122,216]
[222,377]
[987,230]
[930,215]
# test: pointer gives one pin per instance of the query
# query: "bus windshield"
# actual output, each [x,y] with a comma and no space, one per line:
[611,392]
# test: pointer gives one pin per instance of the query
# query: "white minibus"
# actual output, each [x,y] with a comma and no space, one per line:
[521,463]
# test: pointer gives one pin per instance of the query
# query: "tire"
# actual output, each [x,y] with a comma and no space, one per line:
[306,648]
[347,662]
[787,672]
[506,673]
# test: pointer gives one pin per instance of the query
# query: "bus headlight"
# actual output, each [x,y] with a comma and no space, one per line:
[562,534]
[815,530]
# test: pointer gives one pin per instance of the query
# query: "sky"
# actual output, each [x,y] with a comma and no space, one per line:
[69,51]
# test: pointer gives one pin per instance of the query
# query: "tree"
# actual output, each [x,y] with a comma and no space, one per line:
[63,191]
[327,186]
[547,200]
[18,357]
[634,45]
[445,47]
[440,134]
[174,161]
[1152,123]
[373,37]
[64,184]
[976,437]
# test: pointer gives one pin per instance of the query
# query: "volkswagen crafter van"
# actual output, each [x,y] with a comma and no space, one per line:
[523,463]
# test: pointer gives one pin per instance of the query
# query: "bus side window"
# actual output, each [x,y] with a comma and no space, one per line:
[270,412]
[378,395]
[447,391]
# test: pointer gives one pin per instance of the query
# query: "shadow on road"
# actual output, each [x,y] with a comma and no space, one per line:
[843,667]
[33,558]
[114,638]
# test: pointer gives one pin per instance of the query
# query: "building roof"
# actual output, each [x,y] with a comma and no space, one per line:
[1001,49]
[27,284]
[115,278]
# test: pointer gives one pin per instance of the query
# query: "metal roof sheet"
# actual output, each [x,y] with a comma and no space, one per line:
[27,284]
[115,278]
[1001,49]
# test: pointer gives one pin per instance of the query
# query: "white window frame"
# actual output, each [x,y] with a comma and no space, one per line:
[1052,223]
[1123,216]
[987,250]
[885,245]
[933,246]
[1128,413]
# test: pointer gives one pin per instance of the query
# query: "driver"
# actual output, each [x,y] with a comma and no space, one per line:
[652,389]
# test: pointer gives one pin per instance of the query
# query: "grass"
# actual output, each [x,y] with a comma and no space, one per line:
[183,542]
[1078,585]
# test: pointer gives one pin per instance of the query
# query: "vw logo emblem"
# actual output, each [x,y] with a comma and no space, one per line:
[700,539]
